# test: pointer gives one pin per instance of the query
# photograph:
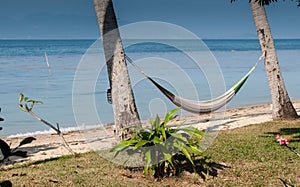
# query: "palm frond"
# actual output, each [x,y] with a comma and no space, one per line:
[266,2]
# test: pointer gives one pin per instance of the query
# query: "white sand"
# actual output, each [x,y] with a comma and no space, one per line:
[49,146]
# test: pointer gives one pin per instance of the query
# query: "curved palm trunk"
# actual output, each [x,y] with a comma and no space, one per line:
[125,111]
[281,103]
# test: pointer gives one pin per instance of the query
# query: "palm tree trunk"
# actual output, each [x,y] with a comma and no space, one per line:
[124,108]
[282,107]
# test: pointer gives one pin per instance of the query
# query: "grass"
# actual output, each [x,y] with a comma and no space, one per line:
[254,156]
[248,156]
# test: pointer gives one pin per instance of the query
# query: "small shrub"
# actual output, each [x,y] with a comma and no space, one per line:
[162,147]
[7,151]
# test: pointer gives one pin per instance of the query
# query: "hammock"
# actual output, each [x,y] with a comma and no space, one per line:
[199,106]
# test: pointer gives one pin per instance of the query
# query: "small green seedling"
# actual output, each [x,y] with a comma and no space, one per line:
[26,105]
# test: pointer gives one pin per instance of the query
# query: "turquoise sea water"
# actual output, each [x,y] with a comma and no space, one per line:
[23,69]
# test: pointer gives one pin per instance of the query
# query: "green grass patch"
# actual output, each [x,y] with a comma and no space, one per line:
[254,156]
[248,156]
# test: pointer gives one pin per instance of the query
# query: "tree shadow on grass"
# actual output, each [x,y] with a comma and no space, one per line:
[202,166]
[37,162]
[295,132]
[30,151]
[50,160]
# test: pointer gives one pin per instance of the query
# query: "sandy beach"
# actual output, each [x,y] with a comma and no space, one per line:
[50,145]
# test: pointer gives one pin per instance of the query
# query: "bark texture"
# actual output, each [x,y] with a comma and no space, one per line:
[124,108]
[282,107]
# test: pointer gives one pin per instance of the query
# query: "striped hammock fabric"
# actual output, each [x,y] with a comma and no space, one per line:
[199,106]
[203,106]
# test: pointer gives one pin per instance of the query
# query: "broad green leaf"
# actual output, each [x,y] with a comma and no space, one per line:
[170,131]
[185,152]
[148,161]
[26,141]
[170,115]
[179,137]
[192,131]
[141,143]
[157,140]
[156,123]
[194,150]
[129,142]
[123,145]
[163,132]
[118,147]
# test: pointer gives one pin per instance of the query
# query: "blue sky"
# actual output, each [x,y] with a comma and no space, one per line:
[68,19]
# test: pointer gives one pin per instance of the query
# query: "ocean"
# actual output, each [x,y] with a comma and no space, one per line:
[23,69]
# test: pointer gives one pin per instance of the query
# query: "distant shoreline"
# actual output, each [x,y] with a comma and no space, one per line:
[183,116]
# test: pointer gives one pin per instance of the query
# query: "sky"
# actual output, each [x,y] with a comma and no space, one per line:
[76,19]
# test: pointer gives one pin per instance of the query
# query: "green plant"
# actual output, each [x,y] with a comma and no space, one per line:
[26,105]
[162,147]
[7,151]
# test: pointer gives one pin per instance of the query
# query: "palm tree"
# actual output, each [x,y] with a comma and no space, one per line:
[124,108]
[282,107]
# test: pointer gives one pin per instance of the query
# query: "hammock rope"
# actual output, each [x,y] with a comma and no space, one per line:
[199,106]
